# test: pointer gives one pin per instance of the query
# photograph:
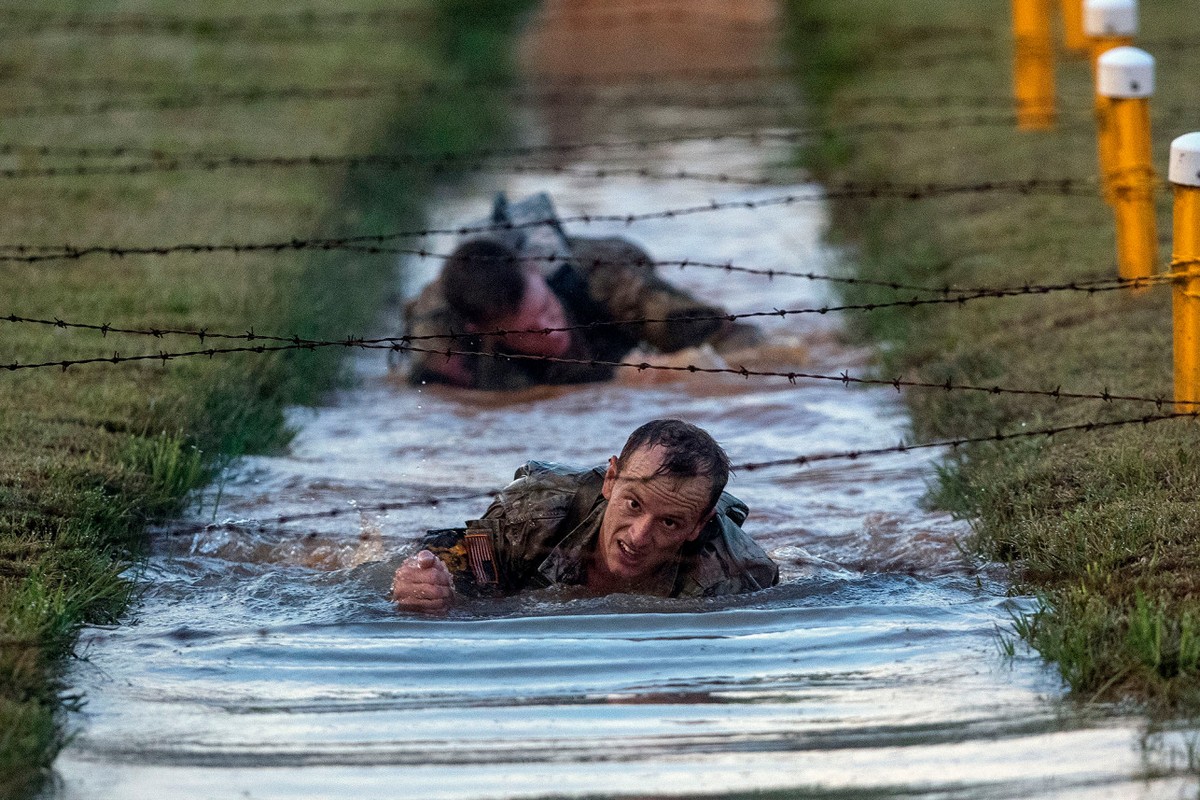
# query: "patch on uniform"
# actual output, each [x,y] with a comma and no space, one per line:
[481,554]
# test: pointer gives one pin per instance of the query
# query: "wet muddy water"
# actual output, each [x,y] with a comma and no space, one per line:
[265,661]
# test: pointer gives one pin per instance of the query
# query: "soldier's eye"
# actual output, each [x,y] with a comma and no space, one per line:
[634,505]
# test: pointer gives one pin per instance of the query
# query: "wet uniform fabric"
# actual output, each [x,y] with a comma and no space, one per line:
[543,528]
[609,280]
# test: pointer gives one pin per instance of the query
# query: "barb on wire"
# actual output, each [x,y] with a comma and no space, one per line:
[33,253]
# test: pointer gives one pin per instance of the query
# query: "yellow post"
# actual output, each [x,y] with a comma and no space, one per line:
[1033,64]
[1185,270]
[1125,76]
[1072,17]
[1108,24]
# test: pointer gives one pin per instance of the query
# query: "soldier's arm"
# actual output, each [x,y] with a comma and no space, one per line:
[452,563]
[621,275]
[491,555]
[468,561]
[427,315]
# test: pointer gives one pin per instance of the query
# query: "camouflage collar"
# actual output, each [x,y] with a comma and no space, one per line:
[568,561]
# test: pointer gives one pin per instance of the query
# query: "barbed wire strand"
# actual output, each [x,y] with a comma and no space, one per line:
[543,89]
[403,344]
[368,92]
[900,448]
[998,436]
[162,162]
[524,82]
[680,137]
[381,162]
[36,253]
[1084,285]
[524,87]
[190,97]
[594,99]
[325,22]
[950,296]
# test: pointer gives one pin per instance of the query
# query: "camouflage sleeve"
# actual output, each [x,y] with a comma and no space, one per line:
[481,556]
[450,545]
[621,276]
[427,315]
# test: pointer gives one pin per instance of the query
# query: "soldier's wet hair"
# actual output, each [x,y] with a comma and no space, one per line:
[688,452]
[483,281]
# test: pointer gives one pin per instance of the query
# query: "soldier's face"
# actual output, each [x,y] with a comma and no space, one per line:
[649,517]
[540,308]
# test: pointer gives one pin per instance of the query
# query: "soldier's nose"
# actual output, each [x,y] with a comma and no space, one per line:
[639,534]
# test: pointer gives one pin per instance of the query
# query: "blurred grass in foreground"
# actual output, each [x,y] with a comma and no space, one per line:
[1104,527]
[90,456]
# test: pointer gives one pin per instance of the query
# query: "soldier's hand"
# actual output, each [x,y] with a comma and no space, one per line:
[423,583]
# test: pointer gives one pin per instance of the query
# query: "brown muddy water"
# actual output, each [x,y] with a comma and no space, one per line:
[267,663]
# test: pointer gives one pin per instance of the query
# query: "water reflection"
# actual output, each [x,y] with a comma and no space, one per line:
[266,662]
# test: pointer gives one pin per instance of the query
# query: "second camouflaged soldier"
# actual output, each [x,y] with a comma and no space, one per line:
[533,277]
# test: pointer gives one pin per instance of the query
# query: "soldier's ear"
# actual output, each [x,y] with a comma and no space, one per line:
[610,478]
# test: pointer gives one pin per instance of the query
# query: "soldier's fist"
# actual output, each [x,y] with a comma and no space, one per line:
[423,583]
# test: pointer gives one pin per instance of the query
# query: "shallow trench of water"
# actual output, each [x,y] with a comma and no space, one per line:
[265,661]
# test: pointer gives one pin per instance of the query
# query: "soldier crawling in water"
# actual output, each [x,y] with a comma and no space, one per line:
[569,304]
[655,520]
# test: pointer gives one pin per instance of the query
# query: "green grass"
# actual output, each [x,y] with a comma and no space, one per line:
[91,456]
[1104,527]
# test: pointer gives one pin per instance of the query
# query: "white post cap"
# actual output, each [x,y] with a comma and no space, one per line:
[1110,18]
[1185,160]
[1125,73]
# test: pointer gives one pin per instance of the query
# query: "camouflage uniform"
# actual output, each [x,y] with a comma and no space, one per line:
[543,528]
[610,280]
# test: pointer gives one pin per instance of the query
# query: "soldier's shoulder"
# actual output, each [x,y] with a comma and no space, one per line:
[607,253]
[553,475]
[726,559]
[543,490]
